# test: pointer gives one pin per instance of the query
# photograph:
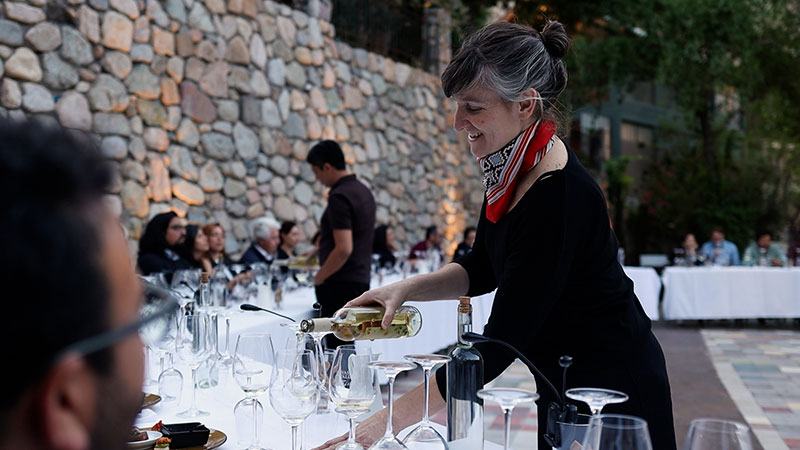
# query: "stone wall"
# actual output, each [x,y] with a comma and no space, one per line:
[209,108]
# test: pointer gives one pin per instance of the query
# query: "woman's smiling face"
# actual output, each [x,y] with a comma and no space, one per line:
[489,121]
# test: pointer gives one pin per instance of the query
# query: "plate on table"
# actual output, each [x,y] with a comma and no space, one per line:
[215,439]
[152,437]
[150,400]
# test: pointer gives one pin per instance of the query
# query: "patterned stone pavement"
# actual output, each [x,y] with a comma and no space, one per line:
[757,380]
[761,371]
[524,425]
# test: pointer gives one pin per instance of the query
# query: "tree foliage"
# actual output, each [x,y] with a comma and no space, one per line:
[731,154]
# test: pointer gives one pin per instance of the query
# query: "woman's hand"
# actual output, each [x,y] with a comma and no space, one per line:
[367,432]
[390,297]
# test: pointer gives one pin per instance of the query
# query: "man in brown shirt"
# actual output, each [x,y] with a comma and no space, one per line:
[346,232]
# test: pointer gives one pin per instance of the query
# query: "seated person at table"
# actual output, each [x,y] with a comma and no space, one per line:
[383,246]
[466,245]
[687,254]
[195,248]
[160,244]
[763,252]
[290,235]
[72,282]
[216,245]
[264,248]
[432,242]
[718,251]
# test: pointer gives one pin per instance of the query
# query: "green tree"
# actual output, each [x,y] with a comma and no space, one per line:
[732,150]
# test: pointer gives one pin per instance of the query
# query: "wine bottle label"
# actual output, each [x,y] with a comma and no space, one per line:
[376,332]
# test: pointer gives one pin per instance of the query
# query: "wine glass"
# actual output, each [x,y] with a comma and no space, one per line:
[170,383]
[312,341]
[352,388]
[708,434]
[185,282]
[294,388]
[508,398]
[391,369]
[617,432]
[597,398]
[253,363]
[424,435]
[193,345]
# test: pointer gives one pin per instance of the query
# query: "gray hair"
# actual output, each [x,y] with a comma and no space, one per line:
[510,58]
[262,227]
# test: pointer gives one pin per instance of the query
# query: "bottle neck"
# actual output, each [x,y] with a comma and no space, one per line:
[316,325]
[464,326]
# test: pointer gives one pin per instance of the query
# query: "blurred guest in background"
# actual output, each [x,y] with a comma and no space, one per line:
[346,232]
[718,251]
[264,248]
[63,393]
[216,244]
[432,242]
[383,246]
[466,245]
[793,252]
[763,252]
[687,254]
[160,244]
[195,248]
[290,235]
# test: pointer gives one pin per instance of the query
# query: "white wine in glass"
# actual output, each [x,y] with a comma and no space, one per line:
[351,388]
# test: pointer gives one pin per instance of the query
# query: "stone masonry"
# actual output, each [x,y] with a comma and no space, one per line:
[209,108]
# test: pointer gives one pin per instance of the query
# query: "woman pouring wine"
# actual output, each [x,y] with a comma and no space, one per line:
[543,240]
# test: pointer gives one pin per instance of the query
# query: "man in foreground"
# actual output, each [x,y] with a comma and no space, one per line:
[72,382]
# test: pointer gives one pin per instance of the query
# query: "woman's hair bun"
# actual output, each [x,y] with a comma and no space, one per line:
[555,39]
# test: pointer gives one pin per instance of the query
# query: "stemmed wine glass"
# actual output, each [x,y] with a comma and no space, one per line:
[597,398]
[617,432]
[301,341]
[193,346]
[424,435]
[294,387]
[351,388]
[508,398]
[185,282]
[170,380]
[713,434]
[391,369]
[253,363]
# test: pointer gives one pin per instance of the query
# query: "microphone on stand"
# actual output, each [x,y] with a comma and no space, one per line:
[250,307]
[559,411]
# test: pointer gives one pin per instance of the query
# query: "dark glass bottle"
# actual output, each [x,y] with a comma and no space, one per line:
[464,379]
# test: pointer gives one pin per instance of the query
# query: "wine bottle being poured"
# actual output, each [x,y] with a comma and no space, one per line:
[364,323]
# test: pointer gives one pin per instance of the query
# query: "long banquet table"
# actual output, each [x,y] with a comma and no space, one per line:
[731,292]
[276,434]
[438,331]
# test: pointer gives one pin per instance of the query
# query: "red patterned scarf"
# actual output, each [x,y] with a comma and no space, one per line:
[502,168]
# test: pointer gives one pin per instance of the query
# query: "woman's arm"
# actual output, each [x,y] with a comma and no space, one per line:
[407,411]
[448,282]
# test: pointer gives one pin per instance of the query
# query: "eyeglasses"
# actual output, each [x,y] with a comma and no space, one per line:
[155,314]
[177,227]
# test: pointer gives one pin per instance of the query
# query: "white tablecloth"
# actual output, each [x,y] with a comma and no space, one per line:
[276,434]
[647,286]
[731,292]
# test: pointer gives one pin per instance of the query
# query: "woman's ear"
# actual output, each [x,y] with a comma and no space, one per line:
[529,104]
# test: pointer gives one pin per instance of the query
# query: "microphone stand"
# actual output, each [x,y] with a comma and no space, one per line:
[250,307]
[559,411]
